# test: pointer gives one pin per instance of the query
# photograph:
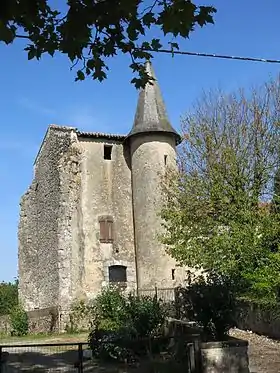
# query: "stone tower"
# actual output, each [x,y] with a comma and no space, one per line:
[91,214]
[152,142]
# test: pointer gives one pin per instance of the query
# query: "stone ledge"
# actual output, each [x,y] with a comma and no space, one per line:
[231,342]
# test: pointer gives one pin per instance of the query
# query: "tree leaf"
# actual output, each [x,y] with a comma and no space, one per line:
[80,75]
[7,33]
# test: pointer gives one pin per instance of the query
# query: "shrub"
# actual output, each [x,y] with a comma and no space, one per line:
[79,317]
[210,301]
[8,296]
[146,315]
[123,326]
[19,321]
[110,304]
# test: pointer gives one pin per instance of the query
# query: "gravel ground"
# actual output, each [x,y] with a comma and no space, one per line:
[264,353]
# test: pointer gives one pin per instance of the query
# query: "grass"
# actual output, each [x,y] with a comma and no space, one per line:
[44,338]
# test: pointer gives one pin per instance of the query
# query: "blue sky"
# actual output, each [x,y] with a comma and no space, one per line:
[35,94]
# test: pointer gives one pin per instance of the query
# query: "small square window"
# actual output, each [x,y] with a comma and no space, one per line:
[117,273]
[108,152]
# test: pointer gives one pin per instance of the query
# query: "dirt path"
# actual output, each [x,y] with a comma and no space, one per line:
[264,353]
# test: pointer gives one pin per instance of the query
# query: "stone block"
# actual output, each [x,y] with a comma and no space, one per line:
[229,356]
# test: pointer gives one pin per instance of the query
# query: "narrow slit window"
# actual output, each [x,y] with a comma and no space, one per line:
[108,152]
[165,159]
[173,274]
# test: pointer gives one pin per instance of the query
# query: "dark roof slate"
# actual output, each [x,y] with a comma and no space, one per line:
[151,115]
[100,135]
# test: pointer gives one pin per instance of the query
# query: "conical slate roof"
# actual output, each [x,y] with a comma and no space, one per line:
[151,115]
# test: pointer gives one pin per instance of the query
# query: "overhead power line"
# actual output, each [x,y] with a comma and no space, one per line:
[212,55]
[198,54]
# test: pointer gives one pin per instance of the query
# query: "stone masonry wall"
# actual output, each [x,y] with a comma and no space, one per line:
[39,321]
[38,227]
[70,227]
[106,190]
[5,325]
[260,318]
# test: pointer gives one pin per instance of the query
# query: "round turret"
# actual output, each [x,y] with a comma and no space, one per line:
[152,142]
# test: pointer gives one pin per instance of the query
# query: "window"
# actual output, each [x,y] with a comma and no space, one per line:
[117,274]
[108,152]
[165,159]
[173,274]
[106,229]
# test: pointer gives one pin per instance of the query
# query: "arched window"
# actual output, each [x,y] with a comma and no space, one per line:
[117,274]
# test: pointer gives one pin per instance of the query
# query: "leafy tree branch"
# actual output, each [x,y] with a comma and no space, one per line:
[91,32]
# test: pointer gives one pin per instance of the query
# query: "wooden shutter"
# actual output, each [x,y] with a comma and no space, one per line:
[102,233]
[110,230]
[106,229]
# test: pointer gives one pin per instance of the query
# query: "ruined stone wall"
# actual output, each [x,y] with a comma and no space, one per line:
[5,325]
[106,190]
[150,155]
[27,250]
[39,321]
[70,227]
[39,235]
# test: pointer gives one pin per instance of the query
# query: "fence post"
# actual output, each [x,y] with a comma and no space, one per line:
[1,360]
[197,353]
[177,303]
[80,358]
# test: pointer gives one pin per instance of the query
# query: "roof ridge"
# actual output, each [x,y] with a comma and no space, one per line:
[111,136]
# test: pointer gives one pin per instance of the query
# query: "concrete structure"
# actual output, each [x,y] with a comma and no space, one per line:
[90,216]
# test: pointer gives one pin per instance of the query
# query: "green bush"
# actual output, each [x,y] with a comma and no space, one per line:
[19,321]
[145,314]
[211,303]
[8,296]
[79,317]
[263,283]
[110,304]
[124,326]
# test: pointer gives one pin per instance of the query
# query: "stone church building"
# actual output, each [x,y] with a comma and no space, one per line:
[90,216]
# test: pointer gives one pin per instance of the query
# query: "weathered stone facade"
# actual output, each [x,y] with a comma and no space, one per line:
[82,179]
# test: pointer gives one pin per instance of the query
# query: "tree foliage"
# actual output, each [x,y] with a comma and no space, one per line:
[217,213]
[211,303]
[8,296]
[89,32]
